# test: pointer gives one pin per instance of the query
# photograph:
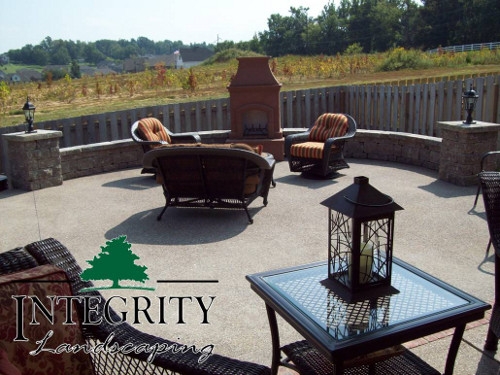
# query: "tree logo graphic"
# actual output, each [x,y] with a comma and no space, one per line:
[115,262]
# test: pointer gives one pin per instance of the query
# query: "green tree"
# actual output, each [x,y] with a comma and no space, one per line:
[332,31]
[115,262]
[92,54]
[59,54]
[287,35]
[75,70]
[440,20]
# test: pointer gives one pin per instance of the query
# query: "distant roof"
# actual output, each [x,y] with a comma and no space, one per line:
[195,54]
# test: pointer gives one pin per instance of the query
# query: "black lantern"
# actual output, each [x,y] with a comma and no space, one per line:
[469,99]
[29,115]
[361,230]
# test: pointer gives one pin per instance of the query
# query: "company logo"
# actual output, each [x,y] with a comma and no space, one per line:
[115,262]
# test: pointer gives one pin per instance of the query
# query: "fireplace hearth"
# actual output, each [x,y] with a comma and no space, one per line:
[255,106]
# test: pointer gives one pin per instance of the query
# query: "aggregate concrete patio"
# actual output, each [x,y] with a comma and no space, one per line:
[437,232]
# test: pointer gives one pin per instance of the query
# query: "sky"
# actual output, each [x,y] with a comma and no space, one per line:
[191,21]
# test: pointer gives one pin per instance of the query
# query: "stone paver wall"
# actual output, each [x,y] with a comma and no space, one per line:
[88,160]
[406,148]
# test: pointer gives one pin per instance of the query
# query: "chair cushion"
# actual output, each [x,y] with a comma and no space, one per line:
[151,129]
[329,125]
[308,150]
[41,281]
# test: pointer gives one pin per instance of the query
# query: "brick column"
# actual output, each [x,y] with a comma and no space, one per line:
[34,161]
[462,148]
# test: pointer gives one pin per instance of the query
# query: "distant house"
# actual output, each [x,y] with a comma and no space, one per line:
[194,56]
[86,70]
[15,78]
[29,75]
[3,76]
[134,65]
[184,58]
[4,59]
[140,64]
[170,61]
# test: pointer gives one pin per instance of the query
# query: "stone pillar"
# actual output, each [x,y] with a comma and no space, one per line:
[462,147]
[34,161]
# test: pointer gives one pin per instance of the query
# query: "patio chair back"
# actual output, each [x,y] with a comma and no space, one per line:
[490,185]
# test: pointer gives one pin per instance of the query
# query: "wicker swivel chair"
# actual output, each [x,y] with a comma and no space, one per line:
[319,150]
[150,133]
[490,184]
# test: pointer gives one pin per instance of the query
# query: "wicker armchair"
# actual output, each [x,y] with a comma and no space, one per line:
[150,133]
[320,149]
[490,185]
[483,162]
[51,251]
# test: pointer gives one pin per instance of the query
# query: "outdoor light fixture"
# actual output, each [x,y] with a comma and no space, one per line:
[469,99]
[361,230]
[29,115]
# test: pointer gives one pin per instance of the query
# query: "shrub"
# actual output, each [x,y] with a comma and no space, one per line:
[399,59]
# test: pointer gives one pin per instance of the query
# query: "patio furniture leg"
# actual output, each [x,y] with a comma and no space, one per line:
[491,343]
[477,195]
[453,351]
[249,217]
[162,212]
[275,339]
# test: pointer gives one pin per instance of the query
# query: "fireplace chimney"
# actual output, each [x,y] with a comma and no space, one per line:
[254,94]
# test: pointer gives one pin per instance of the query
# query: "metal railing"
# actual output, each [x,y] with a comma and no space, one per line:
[466,47]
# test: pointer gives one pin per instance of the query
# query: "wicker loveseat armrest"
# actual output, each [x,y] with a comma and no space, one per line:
[16,260]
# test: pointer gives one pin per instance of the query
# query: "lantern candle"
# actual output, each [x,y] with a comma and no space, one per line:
[365,263]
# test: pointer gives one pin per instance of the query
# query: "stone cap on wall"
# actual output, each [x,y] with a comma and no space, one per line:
[477,127]
[30,137]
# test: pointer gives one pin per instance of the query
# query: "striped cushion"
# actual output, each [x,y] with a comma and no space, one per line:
[152,129]
[329,125]
[307,150]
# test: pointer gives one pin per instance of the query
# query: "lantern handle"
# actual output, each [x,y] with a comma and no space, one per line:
[391,201]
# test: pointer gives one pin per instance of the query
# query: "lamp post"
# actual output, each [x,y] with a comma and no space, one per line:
[29,115]
[469,99]
[361,230]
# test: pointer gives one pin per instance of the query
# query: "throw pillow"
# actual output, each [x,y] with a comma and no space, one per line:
[152,129]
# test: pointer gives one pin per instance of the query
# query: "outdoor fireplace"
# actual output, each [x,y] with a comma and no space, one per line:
[255,106]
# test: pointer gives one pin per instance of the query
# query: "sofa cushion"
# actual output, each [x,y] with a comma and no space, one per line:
[151,129]
[242,146]
[41,281]
[329,125]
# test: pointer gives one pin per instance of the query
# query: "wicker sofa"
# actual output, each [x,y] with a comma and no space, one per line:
[46,268]
[212,176]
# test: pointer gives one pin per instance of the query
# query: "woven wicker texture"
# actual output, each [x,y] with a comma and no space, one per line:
[51,251]
[310,362]
[490,185]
